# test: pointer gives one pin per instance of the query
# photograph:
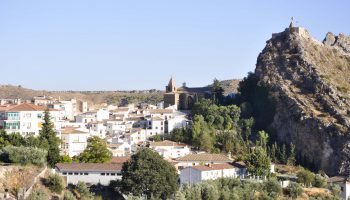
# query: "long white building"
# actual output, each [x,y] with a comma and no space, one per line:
[198,173]
[89,173]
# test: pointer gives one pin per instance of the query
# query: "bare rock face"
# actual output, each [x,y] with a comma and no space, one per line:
[342,42]
[310,82]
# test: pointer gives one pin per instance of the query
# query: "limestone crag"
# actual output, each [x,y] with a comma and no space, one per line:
[310,82]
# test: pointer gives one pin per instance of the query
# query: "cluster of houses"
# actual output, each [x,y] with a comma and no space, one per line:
[124,129]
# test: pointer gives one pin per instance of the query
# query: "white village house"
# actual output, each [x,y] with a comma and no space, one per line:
[169,149]
[74,141]
[344,183]
[198,173]
[201,159]
[25,118]
[90,173]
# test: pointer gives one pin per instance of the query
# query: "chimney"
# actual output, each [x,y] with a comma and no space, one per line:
[210,165]
[184,84]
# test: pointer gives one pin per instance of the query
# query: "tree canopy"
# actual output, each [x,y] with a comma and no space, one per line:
[147,173]
[95,152]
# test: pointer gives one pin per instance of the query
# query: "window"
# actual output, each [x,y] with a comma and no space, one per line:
[64,173]
[102,174]
[70,173]
[76,173]
[81,173]
[86,174]
[119,174]
[107,174]
[112,174]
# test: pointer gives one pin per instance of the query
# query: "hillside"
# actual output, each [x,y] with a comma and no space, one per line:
[309,80]
[92,97]
[99,97]
[230,86]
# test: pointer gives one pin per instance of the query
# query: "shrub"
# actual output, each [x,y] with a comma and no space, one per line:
[295,190]
[83,191]
[55,183]
[319,181]
[38,195]
[68,195]
[305,177]
[273,188]
[23,155]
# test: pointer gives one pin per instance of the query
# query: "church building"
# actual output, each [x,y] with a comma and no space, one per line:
[183,97]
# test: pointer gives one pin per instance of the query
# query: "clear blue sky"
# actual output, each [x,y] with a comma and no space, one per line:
[109,45]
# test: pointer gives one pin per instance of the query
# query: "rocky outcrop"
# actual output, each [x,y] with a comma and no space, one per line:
[310,82]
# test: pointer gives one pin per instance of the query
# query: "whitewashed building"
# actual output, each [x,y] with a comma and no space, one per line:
[86,117]
[119,149]
[89,173]
[97,129]
[26,119]
[344,183]
[198,173]
[169,149]
[202,158]
[74,141]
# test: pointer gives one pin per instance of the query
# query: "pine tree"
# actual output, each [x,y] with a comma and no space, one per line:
[291,158]
[273,152]
[283,154]
[49,141]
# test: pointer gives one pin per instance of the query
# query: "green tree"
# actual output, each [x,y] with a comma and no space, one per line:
[65,159]
[49,140]
[319,181]
[263,138]
[68,195]
[217,92]
[23,155]
[305,177]
[83,191]
[257,95]
[55,183]
[295,190]
[273,188]
[258,162]
[291,158]
[95,152]
[147,173]
[38,195]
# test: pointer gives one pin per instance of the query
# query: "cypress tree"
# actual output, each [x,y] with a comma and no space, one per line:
[49,140]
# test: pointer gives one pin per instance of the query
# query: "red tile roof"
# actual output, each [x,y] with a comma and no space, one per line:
[167,143]
[213,167]
[120,160]
[160,111]
[24,107]
[204,157]
[88,167]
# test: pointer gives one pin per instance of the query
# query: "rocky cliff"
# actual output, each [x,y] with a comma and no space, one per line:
[310,82]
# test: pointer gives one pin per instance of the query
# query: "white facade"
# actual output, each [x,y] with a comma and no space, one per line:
[97,129]
[74,141]
[120,149]
[26,119]
[89,173]
[344,184]
[170,150]
[86,117]
[178,121]
[135,136]
[102,115]
[195,174]
[115,126]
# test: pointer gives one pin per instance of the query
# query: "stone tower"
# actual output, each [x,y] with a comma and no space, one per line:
[171,87]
